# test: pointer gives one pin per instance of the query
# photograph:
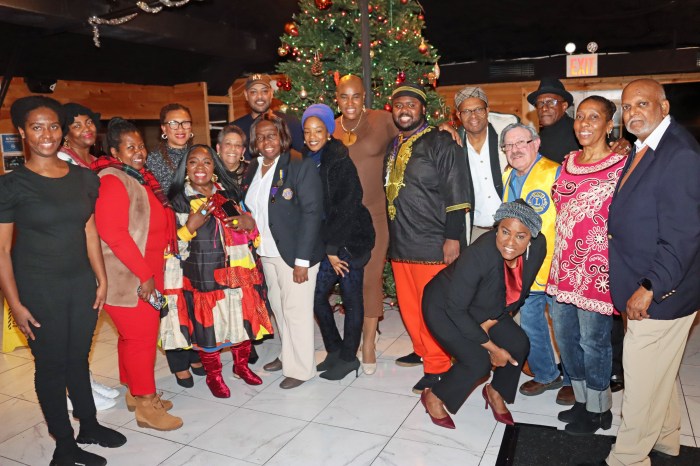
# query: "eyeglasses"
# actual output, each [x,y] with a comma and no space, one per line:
[174,124]
[547,103]
[267,137]
[479,111]
[517,145]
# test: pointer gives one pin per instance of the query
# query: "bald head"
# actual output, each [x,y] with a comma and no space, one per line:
[644,106]
[350,95]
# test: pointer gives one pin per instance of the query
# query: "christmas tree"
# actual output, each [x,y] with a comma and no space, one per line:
[323,43]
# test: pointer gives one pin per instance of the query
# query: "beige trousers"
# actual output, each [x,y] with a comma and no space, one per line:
[293,306]
[478,231]
[651,417]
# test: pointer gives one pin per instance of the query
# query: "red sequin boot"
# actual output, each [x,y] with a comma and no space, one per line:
[241,353]
[215,382]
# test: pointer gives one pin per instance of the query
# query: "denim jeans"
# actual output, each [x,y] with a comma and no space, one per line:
[584,343]
[534,322]
[351,292]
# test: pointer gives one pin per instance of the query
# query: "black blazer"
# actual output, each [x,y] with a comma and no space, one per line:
[654,227]
[472,289]
[294,212]
[346,222]
[496,174]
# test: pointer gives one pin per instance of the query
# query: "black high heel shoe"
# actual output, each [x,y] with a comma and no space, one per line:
[342,368]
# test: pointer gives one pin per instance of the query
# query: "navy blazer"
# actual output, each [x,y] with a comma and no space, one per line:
[654,227]
[295,208]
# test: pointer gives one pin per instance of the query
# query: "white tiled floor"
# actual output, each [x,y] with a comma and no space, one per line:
[373,420]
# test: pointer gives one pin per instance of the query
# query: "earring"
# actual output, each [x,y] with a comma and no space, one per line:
[527,251]
[187,178]
[66,144]
[242,158]
[609,133]
[214,178]
[164,137]
[191,135]
[329,137]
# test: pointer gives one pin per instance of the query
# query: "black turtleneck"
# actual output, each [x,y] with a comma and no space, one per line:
[558,139]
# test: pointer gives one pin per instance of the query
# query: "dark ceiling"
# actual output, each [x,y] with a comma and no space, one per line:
[219,40]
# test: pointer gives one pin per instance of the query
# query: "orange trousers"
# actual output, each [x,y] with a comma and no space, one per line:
[410,281]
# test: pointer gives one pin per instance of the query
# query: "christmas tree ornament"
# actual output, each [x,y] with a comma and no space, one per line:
[371,54]
[283,108]
[317,66]
[302,93]
[400,77]
[282,51]
[291,28]
[403,2]
[387,107]
[280,83]
[323,4]
[423,47]
[421,17]
[287,86]
[436,71]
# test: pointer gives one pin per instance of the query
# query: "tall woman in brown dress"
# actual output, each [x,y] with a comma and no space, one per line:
[367,134]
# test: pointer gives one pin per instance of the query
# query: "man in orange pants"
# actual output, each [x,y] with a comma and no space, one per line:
[426,190]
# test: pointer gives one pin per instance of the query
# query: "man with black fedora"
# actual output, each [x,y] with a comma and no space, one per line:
[556,127]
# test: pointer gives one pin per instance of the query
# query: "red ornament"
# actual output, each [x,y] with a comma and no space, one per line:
[370,9]
[400,77]
[423,48]
[287,86]
[421,17]
[387,107]
[292,29]
[323,4]
[403,2]
[280,83]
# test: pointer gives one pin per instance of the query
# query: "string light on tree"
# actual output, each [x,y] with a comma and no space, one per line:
[323,4]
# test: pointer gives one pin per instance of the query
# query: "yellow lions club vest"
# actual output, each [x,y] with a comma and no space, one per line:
[537,192]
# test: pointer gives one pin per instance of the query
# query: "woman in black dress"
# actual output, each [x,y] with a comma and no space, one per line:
[468,306]
[54,277]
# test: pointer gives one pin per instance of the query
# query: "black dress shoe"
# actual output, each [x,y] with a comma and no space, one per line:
[342,368]
[101,435]
[570,415]
[617,383]
[253,358]
[200,371]
[185,383]
[331,359]
[588,423]
[427,381]
[409,360]
[660,454]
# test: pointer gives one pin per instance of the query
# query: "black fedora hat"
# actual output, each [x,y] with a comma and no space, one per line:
[550,86]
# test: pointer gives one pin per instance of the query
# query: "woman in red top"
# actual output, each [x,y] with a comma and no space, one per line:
[136,226]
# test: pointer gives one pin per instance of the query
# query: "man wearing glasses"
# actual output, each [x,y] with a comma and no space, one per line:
[485,161]
[530,177]
[556,127]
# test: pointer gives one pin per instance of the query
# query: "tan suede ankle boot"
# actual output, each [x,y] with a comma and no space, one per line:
[131,402]
[151,413]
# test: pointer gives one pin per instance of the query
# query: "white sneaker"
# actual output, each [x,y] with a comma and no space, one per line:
[104,390]
[101,402]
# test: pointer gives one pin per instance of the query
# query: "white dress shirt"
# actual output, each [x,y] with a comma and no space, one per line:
[653,140]
[257,200]
[486,199]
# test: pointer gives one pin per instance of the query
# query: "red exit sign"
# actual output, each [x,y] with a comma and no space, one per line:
[581,65]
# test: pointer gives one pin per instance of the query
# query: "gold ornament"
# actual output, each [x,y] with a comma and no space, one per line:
[423,47]
[436,70]
[282,51]
[302,93]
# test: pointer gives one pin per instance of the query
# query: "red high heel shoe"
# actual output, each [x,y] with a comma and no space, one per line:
[505,418]
[445,422]
[215,381]
[241,354]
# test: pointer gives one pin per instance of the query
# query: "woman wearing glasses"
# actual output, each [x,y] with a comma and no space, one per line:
[284,194]
[176,123]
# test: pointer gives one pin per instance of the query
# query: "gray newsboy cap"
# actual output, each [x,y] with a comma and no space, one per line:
[469,92]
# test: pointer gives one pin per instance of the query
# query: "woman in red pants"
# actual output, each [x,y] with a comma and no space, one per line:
[136,226]
[215,288]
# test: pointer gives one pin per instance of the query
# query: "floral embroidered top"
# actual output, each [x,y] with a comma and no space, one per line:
[582,195]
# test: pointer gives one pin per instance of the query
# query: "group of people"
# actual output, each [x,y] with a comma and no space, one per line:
[486,227]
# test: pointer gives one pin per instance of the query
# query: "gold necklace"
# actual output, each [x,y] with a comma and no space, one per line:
[269,164]
[349,138]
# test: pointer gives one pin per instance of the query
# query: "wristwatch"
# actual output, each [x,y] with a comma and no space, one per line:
[645,283]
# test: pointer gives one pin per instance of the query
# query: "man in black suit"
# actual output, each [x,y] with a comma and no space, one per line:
[654,237]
